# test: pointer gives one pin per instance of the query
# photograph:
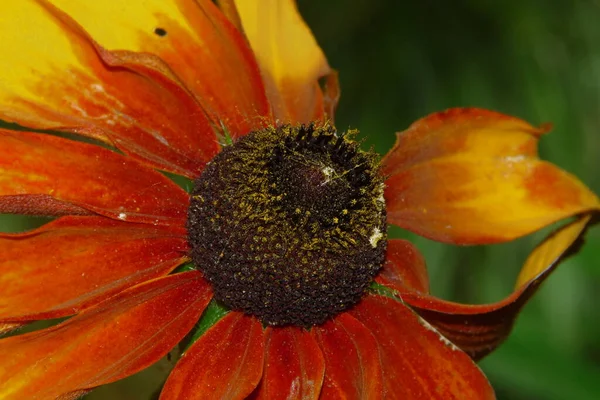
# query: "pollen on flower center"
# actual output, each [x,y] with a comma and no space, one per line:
[288,224]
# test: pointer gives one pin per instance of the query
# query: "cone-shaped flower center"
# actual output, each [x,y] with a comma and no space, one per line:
[288,224]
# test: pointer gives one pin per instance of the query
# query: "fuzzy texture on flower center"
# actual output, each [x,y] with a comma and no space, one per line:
[288,224]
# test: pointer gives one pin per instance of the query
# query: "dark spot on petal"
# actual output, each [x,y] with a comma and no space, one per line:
[160,32]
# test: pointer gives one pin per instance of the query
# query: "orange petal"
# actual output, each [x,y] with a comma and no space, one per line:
[404,267]
[331,94]
[352,361]
[418,362]
[44,174]
[111,341]
[74,262]
[225,363]
[289,58]
[471,176]
[199,44]
[479,329]
[294,366]
[53,76]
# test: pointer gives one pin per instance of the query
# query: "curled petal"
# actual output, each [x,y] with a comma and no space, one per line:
[404,267]
[471,176]
[111,341]
[75,262]
[54,76]
[352,361]
[197,41]
[289,58]
[479,329]
[225,363]
[418,362]
[294,366]
[48,175]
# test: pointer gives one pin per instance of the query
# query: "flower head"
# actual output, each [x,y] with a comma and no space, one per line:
[279,247]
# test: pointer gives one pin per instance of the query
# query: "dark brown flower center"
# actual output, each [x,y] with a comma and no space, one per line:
[288,224]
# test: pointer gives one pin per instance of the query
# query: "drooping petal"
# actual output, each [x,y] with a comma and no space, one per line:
[199,44]
[75,262]
[418,362]
[404,267]
[53,76]
[352,361]
[479,329]
[471,176]
[48,175]
[225,363]
[115,339]
[289,58]
[294,366]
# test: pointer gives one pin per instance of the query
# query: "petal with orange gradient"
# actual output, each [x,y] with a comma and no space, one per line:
[418,362]
[471,176]
[479,329]
[289,57]
[209,55]
[225,363]
[44,174]
[75,262]
[53,76]
[352,361]
[294,366]
[111,341]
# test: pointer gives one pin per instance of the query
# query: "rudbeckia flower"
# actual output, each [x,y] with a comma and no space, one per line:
[275,266]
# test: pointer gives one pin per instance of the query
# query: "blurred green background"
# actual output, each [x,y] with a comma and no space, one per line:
[538,60]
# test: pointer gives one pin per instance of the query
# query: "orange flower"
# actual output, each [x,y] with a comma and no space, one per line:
[187,87]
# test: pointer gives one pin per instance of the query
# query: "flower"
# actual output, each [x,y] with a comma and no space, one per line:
[191,89]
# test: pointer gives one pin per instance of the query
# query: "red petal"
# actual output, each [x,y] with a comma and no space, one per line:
[294,366]
[352,362]
[404,267]
[472,176]
[74,262]
[418,362]
[479,329]
[225,363]
[111,341]
[132,101]
[64,175]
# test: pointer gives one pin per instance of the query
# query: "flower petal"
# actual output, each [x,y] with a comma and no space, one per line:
[479,329]
[471,176]
[115,339]
[418,362]
[331,94]
[294,366]
[352,361]
[404,267]
[44,174]
[289,58]
[225,363]
[74,262]
[199,44]
[53,76]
